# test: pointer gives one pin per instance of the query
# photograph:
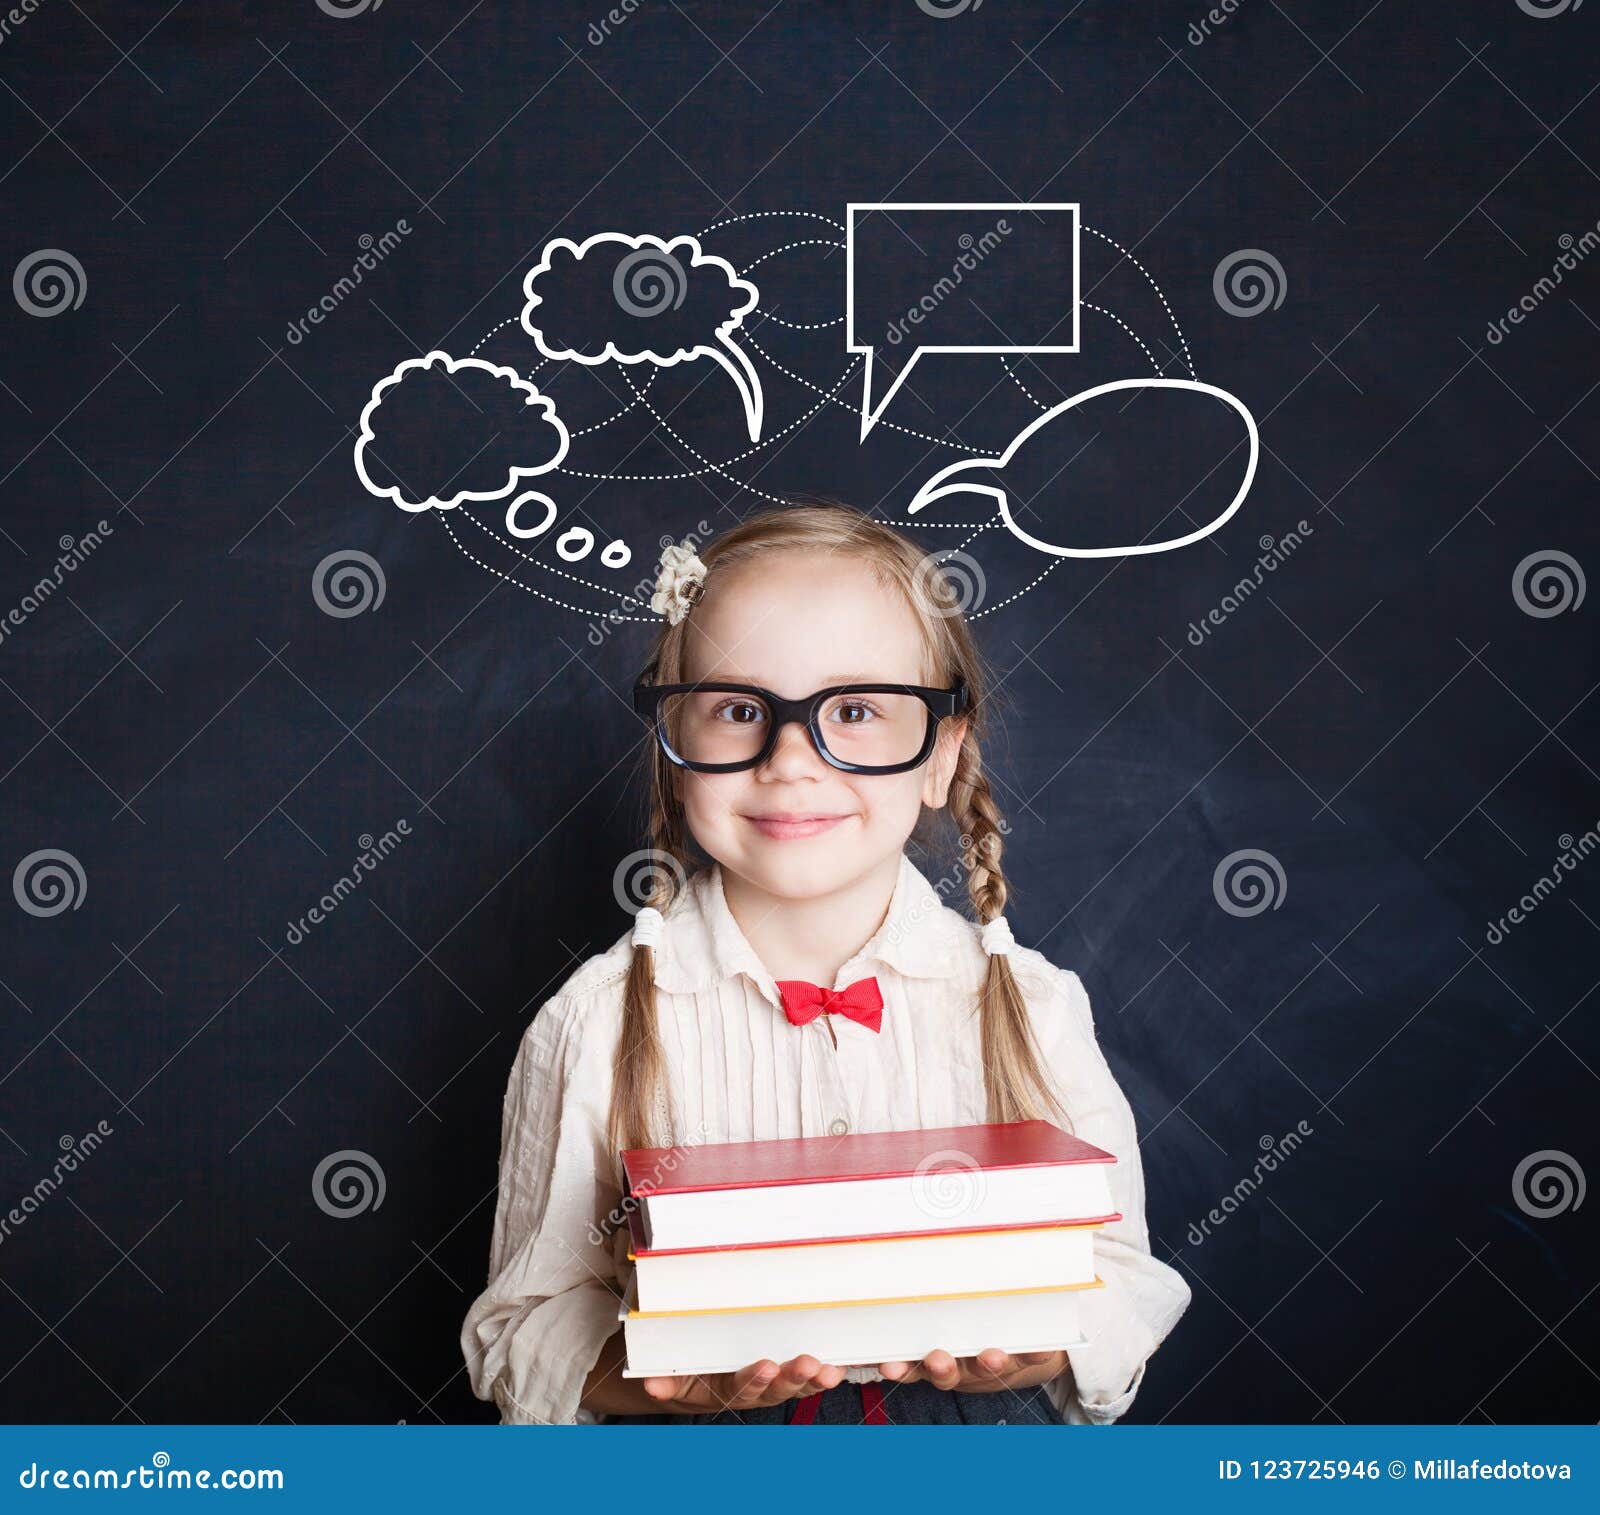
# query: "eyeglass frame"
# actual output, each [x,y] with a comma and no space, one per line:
[941,704]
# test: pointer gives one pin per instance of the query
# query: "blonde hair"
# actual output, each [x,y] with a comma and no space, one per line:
[1014,1084]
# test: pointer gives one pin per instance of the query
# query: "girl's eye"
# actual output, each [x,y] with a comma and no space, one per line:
[853,712]
[739,712]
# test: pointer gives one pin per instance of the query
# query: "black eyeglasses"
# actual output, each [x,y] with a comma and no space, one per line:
[715,727]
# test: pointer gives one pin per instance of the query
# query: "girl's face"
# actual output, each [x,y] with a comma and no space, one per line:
[794,623]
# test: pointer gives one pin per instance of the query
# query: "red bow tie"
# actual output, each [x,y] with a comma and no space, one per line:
[804,1002]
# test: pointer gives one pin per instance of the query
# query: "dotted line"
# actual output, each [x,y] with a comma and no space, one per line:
[923,436]
[1051,567]
[585,430]
[788,246]
[538,593]
[757,215]
[1020,385]
[803,325]
[1130,331]
[491,331]
[1187,360]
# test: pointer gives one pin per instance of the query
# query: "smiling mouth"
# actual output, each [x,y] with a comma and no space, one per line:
[787,826]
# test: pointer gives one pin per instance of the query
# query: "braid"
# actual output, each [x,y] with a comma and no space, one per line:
[1013,1079]
[640,1113]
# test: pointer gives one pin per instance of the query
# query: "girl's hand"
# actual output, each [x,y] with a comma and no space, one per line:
[987,1373]
[761,1384]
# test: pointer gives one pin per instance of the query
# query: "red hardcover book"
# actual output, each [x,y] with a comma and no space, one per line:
[1012,1173]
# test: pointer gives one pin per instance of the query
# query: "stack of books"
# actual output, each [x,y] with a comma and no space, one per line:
[877,1247]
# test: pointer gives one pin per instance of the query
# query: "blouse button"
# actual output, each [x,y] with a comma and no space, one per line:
[838,1126]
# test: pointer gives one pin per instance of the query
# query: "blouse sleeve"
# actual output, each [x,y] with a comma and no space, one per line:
[534,1333]
[1143,1298]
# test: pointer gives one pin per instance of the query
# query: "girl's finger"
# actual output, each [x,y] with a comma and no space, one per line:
[895,1371]
[661,1388]
[943,1369]
[752,1382]
[993,1363]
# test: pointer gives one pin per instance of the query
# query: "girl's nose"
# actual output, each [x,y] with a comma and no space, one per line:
[794,756]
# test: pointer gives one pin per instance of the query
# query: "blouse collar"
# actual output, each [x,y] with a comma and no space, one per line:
[703,945]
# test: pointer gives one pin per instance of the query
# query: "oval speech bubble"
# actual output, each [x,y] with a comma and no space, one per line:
[950,481]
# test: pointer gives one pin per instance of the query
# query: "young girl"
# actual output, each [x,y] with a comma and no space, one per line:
[701,1025]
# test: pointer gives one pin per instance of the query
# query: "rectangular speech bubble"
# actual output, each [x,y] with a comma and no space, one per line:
[956,277]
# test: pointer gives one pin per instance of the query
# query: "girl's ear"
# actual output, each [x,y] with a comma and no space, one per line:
[941,768]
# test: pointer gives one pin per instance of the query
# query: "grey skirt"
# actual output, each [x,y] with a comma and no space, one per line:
[912,1404]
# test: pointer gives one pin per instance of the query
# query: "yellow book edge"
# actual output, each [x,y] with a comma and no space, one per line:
[900,1299]
[875,1241]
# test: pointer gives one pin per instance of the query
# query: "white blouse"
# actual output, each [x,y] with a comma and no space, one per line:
[740,1071]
